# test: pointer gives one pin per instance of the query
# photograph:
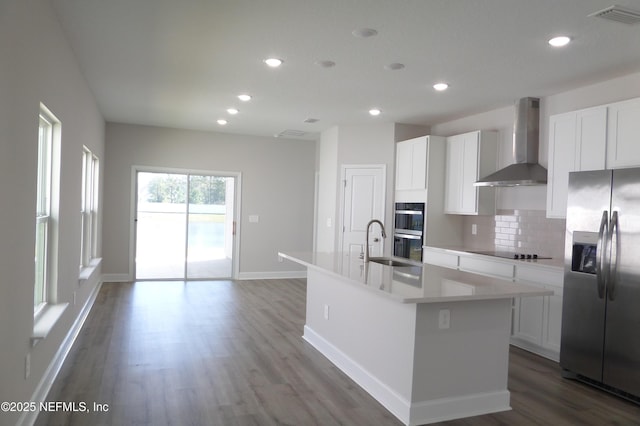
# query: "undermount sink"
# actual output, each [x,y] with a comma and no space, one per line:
[391,262]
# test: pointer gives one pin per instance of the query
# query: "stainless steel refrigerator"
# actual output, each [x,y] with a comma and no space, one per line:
[601,300]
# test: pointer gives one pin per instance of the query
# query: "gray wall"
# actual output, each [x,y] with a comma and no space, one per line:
[36,66]
[354,145]
[277,185]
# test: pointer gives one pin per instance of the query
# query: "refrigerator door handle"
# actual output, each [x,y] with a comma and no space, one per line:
[601,260]
[614,242]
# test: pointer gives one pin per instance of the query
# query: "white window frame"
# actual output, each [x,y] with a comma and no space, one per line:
[46,190]
[89,208]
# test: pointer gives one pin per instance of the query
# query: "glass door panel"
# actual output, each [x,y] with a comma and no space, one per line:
[208,240]
[161,227]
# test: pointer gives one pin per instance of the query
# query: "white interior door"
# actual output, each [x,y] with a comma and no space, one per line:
[363,200]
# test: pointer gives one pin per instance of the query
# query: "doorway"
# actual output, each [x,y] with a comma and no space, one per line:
[363,199]
[184,225]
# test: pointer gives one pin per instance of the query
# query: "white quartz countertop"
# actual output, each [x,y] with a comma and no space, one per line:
[422,283]
[550,264]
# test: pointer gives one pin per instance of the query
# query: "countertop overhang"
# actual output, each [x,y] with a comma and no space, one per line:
[422,283]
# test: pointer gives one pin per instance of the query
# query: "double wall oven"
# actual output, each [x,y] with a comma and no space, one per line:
[408,231]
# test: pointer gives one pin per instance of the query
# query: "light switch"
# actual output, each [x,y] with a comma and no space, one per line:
[254,218]
[444,319]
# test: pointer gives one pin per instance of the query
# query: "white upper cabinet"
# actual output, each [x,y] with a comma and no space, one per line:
[411,164]
[603,137]
[470,156]
[623,136]
[591,135]
[577,141]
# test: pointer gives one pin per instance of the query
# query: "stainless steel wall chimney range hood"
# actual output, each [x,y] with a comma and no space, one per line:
[526,170]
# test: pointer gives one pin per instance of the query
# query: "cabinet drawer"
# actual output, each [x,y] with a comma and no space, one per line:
[447,260]
[539,275]
[481,266]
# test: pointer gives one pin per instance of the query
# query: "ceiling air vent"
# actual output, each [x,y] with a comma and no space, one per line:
[311,120]
[619,14]
[291,134]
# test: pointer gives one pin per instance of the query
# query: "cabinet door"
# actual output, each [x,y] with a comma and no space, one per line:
[528,319]
[552,320]
[403,165]
[453,180]
[623,149]
[419,164]
[411,164]
[562,155]
[469,173]
[591,138]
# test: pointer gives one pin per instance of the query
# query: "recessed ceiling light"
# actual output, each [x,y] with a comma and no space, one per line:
[232,111]
[394,66]
[559,41]
[364,32]
[222,122]
[441,86]
[273,62]
[326,64]
[374,111]
[244,97]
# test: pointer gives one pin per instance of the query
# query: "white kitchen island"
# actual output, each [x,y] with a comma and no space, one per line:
[429,343]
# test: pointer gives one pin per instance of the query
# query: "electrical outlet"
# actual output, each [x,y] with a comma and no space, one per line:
[27,366]
[326,312]
[280,259]
[474,229]
[74,298]
[444,319]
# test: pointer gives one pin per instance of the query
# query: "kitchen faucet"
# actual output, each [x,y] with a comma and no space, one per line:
[366,245]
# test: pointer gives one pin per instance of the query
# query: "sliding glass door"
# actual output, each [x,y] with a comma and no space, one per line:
[184,226]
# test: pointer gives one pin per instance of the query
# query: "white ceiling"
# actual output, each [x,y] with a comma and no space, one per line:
[181,63]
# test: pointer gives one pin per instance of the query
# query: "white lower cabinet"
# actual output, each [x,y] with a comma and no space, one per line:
[527,319]
[553,325]
[536,321]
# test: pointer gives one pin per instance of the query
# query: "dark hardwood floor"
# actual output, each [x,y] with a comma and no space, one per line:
[231,353]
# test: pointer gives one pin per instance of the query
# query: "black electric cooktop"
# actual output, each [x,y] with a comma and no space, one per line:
[512,255]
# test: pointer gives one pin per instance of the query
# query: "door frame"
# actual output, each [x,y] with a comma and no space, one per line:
[235,264]
[342,183]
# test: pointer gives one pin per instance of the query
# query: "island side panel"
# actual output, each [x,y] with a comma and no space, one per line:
[368,336]
[469,360]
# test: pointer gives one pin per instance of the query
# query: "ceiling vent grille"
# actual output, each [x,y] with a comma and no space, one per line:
[291,134]
[618,14]
[311,120]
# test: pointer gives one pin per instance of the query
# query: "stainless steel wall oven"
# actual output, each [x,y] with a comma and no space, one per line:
[408,230]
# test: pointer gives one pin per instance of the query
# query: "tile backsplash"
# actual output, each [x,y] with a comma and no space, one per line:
[521,231]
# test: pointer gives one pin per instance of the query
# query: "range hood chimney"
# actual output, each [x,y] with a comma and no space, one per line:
[526,170]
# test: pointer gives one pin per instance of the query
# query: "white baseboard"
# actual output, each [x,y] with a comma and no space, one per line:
[44,386]
[391,400]
[116,278]
[271,275]
[444,409]
[416,413]
[536,349]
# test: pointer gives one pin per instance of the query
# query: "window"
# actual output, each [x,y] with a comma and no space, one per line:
[44,221]
[89,208]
